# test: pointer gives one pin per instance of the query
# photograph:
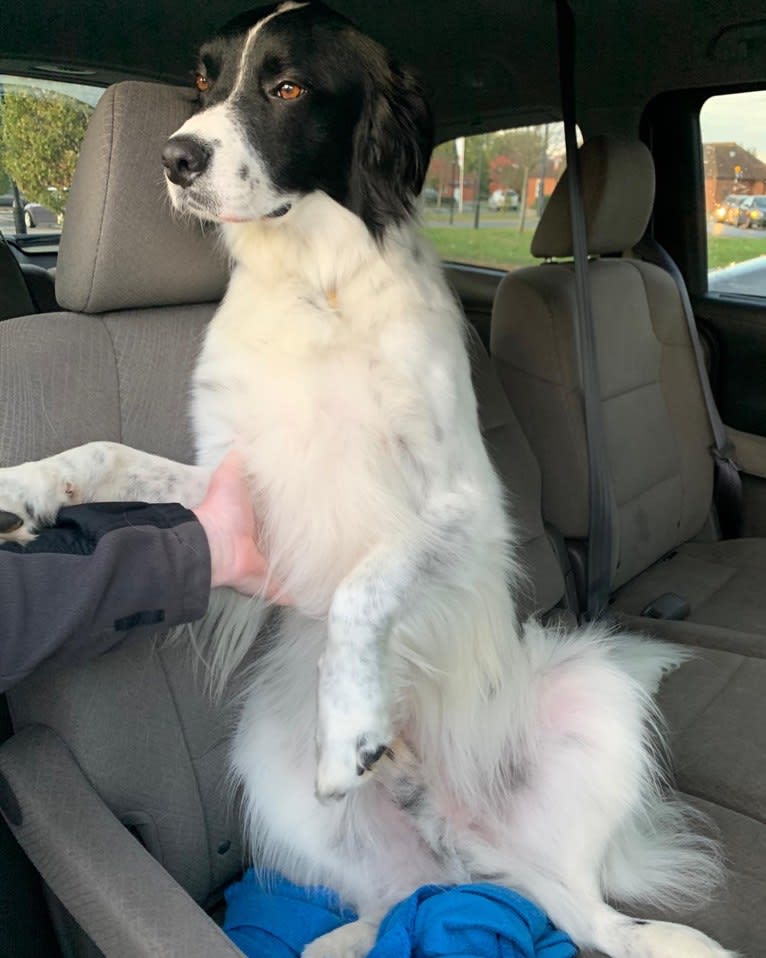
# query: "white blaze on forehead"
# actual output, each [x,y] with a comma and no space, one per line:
[283,8]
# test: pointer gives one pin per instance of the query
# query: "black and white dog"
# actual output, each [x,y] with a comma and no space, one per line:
[403,728]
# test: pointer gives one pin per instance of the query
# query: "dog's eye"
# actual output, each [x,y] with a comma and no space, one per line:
[201,82]
[289,90]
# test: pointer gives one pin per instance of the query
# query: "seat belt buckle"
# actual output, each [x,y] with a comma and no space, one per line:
[669,606]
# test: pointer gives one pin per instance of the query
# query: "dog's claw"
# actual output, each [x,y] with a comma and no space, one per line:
[345,765]
[367,758]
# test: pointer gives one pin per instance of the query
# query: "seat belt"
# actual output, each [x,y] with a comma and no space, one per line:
[599,565]
[727,482]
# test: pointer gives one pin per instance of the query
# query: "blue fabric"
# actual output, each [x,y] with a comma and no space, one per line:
[269,917]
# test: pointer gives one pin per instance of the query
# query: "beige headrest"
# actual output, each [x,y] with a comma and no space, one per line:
[122,246]
[618,194]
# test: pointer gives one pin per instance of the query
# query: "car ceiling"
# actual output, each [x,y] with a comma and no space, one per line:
[487,64]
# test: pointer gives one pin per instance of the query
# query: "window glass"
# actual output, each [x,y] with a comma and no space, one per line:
[483,194]
[734,153]
[42,123]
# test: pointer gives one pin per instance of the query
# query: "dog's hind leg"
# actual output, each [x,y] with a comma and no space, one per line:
[588,773]
[32,493]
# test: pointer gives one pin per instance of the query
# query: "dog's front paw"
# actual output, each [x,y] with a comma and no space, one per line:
[354,940]
[30,497]
[661,939]
[346,758]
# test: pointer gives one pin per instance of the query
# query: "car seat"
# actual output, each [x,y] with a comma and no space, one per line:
[657,432]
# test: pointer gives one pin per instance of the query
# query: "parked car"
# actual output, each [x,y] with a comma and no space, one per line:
[6,199]
[431,197]
[35,214]
[719,213]
[733,215]
[752,212]
[501,200]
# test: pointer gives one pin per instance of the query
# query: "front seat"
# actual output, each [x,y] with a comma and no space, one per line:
[658,437]
[115,780]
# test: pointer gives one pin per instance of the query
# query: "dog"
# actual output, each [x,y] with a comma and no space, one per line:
[402,726]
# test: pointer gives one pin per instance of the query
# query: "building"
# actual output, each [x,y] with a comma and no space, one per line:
[730,168]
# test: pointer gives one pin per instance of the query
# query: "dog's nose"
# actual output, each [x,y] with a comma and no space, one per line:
[184,158]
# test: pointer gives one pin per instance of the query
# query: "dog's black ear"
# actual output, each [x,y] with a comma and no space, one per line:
[392,148]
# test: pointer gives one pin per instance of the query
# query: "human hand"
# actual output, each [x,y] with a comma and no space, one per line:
[226,514]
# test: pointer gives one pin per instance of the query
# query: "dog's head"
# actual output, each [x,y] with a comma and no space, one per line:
[295,100]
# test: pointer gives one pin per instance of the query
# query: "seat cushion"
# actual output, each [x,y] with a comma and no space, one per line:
[715,707]
[723,583]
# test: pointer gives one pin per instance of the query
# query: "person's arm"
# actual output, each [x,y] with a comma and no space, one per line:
[110,569]
[103,571]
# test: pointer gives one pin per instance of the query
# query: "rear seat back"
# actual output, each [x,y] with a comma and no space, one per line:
[657,432]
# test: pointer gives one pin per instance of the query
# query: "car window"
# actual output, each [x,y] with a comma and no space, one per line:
[42,124]
[483,194]
[734,153]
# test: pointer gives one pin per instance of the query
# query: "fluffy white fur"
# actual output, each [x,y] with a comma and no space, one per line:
[517,754]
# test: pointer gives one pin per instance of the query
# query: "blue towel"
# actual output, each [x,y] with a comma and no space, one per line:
[269,917]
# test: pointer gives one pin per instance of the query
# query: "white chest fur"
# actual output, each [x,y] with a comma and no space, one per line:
[330,377]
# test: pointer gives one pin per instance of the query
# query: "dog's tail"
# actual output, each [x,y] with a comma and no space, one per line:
[666,855]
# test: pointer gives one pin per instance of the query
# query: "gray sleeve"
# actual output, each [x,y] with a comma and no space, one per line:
[105,571]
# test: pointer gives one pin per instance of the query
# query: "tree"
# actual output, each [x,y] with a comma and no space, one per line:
[502,172]
[476,162]
[442,169]
[40,136]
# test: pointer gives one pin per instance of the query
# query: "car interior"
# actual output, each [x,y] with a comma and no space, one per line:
[119,831]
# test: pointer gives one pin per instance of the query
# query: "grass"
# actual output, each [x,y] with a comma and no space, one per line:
[507,248]
[502,248]
[724,251]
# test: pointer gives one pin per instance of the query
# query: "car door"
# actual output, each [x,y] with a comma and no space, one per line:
[704,147]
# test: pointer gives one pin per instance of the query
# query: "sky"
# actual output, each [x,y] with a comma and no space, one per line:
[736,117]
[88,94]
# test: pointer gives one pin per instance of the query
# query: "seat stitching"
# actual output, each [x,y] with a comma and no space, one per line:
[118,377]
[192,765]
[104,204]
